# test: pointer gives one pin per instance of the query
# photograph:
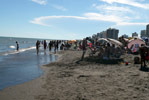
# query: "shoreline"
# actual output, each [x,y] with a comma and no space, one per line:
[68,79]
[39,81]
[23,67]
[24,91]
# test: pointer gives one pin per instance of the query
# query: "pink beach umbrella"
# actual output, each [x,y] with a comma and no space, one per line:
[134,42]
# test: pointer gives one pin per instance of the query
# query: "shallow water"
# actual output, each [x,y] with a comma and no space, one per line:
[22,67]
[19,67]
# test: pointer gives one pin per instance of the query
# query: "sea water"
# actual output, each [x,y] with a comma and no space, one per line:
[17,67]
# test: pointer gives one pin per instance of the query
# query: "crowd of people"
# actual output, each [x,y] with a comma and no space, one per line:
[54,45]
[105,50]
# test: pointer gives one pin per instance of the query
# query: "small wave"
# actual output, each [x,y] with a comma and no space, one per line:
[26,49]
[21,50]
[12,46]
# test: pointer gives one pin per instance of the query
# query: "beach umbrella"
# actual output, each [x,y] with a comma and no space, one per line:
[126,40]
[102,41]
[135,42]
[116,42]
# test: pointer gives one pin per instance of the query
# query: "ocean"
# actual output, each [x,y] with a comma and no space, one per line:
[17,67]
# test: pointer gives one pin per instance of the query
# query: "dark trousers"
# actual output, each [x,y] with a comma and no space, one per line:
[84,51]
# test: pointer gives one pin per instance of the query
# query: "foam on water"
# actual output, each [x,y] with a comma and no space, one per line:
[15,51]
[12,46]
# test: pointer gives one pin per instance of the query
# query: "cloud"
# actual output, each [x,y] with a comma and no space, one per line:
[131,24]
[59,7]
[43,20]
[112,8]
[87,16]
[127,15]
[100,17]
[41,2]
[128,2]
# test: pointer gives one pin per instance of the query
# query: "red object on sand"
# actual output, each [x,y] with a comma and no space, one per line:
[126,63]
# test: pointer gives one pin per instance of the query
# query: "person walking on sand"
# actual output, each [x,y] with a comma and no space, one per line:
[37,46]
[84,44]
[143,53]
[17,48]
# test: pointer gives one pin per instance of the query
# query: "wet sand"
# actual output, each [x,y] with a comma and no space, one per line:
[71,79]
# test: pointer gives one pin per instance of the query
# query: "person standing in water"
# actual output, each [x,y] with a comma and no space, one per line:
[45,46]
[17,48]
[57,45]
[50,46]
[37,46]
[54,45]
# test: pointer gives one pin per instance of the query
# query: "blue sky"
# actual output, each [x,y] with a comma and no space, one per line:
[71,19]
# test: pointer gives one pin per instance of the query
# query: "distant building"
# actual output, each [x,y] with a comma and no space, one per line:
[109,33]
[98,35]
[134,34]
[125,36]
[94,36]
[147,30]
[143,33]
[112,33]
[89,37]
[102,34]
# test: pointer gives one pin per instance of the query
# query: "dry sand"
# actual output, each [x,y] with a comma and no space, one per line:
[71,79]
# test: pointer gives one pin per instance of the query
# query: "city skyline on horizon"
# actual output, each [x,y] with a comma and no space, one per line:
[69,19]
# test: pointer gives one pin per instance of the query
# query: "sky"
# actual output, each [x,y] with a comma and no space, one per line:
[71,19]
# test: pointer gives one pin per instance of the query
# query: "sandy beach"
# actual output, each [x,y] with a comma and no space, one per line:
[72,79]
